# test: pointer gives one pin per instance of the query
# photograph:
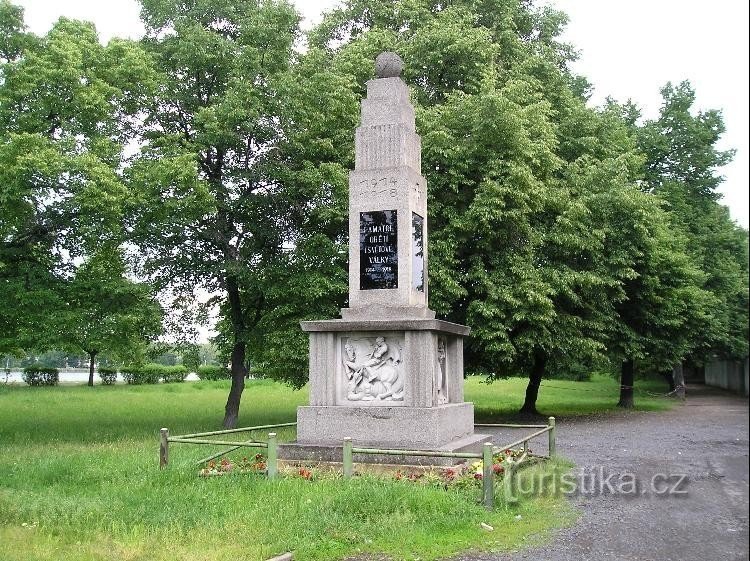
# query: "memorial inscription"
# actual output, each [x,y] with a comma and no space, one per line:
[378,250]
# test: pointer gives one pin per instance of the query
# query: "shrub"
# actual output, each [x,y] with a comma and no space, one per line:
[108,375]
[213,372]
[36,375]
[172,374]
[151,373]
[131,374]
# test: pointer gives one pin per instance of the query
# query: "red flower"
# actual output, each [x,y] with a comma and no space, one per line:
[477,476]
[498,469]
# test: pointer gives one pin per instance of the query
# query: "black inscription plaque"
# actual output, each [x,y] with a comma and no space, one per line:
[378,250]
[417,252]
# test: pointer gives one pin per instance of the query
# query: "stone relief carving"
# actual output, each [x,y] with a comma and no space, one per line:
[373,369]
[441,382]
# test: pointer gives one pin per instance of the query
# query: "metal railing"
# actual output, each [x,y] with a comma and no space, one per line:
[271,445]
[510,465]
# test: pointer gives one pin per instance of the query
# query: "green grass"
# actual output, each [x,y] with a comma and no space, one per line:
[79,481]
[501,400]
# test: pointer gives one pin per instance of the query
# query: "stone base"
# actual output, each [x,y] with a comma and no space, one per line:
[368,313]
[295,453]
[415,428]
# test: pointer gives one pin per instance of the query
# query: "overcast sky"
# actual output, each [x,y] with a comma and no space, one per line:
[629,49]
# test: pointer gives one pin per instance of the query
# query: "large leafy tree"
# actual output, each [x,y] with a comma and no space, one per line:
[682,167]
[61,151]
[233,165]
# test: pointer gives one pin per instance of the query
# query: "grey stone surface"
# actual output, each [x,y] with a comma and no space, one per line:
[386,427]
[387,177]
[388,65]
[394,324]
[414,355]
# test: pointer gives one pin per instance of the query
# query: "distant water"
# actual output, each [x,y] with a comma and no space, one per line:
[16,377]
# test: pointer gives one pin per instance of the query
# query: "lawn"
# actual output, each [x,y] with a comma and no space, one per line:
[80,482]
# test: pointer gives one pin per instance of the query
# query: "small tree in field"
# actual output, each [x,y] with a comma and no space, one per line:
[107,312]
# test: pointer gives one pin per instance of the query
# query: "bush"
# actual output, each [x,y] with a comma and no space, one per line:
[172,374]
[213,372]
[139,374]
[41,376]
[108,375]
[152,373]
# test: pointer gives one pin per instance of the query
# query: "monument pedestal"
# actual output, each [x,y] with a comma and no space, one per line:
[422,410]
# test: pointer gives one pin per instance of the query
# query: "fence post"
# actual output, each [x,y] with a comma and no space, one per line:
[272,459]
[163,448]
[551,424]
[508,493]
[348,461]
[487,477]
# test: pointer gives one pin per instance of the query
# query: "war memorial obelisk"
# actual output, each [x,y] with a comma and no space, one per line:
[387,374]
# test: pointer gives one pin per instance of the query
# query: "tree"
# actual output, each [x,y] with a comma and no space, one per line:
[106,312]
[218,189]
[662,303]
[681,167]
[61,151]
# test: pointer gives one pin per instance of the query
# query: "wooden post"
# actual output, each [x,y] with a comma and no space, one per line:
[487,477]
[163,448]
[272,460]
[508,493]
[348,460]
[552,449]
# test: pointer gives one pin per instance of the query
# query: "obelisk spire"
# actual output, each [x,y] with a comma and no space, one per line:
[387,205]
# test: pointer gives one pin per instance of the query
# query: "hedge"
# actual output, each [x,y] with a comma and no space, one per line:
[213,372]
[152,373]
[41,376]
[172,374]
[108,375]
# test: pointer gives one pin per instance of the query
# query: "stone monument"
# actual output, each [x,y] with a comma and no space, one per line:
[388,374]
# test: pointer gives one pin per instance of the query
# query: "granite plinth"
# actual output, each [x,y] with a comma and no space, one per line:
[299,453]
[386,427]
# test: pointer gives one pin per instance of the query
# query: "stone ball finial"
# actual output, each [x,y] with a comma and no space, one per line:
[388,65]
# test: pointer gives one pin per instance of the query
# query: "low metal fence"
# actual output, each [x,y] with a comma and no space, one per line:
[271,445]
[489,450]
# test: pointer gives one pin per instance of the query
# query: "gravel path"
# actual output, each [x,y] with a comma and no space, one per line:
[706,439]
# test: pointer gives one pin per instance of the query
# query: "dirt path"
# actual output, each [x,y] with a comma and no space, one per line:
[706,439]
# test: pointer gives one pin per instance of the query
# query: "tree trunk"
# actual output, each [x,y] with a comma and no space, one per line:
[535,380]
[626,384]
[92,357]
[668,378]
[678,375]
[232,408]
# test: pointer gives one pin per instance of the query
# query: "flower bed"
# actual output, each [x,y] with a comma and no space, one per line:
[462,475]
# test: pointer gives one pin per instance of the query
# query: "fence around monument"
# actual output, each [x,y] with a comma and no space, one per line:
[510,465]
